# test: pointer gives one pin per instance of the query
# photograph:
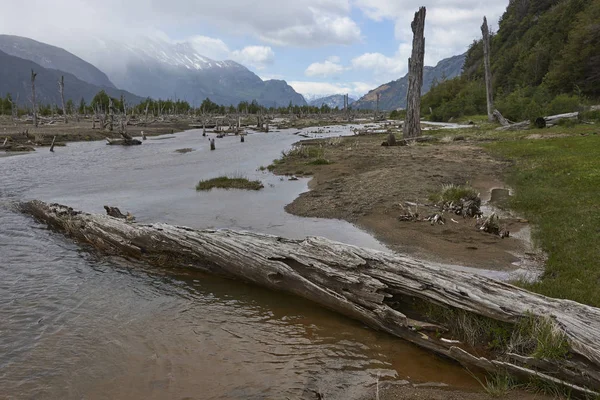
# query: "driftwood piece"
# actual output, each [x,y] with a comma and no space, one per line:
[500,118]
[412,125]
[363,284]
[123,142]
[52,145]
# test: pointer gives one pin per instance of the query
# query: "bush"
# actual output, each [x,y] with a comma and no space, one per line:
[564,103]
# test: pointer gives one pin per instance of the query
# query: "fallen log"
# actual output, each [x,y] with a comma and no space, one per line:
[371,286]
[123,142]
[550,120]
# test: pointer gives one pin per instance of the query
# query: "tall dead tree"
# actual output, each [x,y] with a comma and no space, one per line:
[485,30]
[33,101]
[111,115]
[376,108]
[412,125]
[61,89]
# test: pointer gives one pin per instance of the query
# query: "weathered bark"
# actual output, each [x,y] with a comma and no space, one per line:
[412,125]
[52,145]
[485,30]
[498,116]
[363,284]
[212,144]
[33,100]
[61,90]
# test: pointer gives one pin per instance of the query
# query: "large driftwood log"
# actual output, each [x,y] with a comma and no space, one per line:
[412,125]
[363,284]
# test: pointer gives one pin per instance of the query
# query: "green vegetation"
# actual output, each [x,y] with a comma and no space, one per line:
[557,184]
[497,385]
[454,193]
[532,336]
[398,114]
[319,161]
[543,62]
[224,182]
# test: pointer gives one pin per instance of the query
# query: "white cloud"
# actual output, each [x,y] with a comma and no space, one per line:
[291,23]
[209,47]
[450,25]
[256,56]
[321,89]
[324,69]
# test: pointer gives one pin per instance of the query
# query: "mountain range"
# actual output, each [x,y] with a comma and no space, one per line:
[15,78]
[152,67]
[393,94]
[53,57]
[333,101]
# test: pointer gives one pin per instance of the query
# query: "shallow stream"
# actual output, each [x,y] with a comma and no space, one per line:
[76,325]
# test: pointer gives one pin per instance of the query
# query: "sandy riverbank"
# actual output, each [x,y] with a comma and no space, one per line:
[365,183]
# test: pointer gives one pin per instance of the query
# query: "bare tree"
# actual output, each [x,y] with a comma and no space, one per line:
[485,30]
[412,125]
[33,101]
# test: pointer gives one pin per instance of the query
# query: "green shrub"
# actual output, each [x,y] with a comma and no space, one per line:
[564,103]
[225,182]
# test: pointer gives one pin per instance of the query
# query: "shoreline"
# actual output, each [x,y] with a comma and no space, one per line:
[357,180]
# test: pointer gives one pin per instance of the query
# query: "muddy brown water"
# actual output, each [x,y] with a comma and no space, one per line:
[75,325]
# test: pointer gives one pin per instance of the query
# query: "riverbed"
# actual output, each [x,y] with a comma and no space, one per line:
[78,325]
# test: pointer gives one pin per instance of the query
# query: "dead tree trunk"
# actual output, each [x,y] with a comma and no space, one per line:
[374,287]
[111,115]
[412,125]
[485,30]
[33,101]
[376,108]
[61,89]
[146,112]
[52,145]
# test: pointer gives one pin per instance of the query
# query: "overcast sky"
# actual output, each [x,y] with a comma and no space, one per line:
[318,46]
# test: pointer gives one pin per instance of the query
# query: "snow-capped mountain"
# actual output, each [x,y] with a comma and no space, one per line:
[160,69]
[333,101]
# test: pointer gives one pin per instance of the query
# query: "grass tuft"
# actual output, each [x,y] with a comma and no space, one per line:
[451,193]
[320,161]
[224,182]
[498,384]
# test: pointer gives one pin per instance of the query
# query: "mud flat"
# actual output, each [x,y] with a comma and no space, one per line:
[358,180]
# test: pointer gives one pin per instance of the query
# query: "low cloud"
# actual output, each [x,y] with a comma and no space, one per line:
[209,47]
[256,56]
[325,69]
[321,89]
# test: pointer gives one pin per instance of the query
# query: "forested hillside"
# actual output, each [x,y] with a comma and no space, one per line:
[545,59]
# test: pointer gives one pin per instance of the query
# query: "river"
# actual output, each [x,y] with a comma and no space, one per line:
[74,324]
